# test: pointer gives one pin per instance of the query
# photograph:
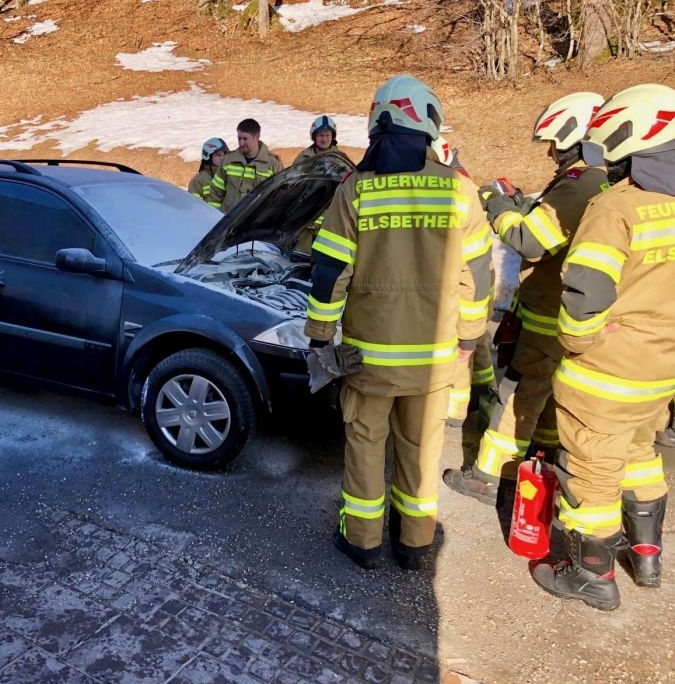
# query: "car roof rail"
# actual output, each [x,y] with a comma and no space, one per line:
[86,162]
[20,166]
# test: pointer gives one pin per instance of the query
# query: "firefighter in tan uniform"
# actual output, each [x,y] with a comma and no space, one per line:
[323,133]
[477,378]
[524,416]
[402,255]
[213,153]
[617,325]
[243,169]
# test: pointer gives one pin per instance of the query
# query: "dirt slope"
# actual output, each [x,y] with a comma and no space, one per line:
[335,67]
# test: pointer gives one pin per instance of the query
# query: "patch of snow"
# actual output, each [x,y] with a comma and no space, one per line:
[300,16]
[37,29]
[415,28]
[159,58]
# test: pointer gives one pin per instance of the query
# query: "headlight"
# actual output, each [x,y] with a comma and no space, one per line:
[290,334]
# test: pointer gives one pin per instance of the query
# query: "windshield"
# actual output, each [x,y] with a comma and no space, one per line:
[157,221]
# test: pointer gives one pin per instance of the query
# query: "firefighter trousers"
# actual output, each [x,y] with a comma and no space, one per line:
[417,425]
[597,468]
[525,411]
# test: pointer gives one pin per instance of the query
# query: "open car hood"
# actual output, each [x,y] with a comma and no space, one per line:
[277,210]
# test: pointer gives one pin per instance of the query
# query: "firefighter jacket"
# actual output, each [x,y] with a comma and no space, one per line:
[404,260]
[200,185]
[542,237]
[236,177]
[620,269]
[311,151]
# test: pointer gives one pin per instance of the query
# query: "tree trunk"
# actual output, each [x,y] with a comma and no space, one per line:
[595,32]
[263,18]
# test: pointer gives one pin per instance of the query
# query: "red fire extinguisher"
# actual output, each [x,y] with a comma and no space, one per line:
[533,509]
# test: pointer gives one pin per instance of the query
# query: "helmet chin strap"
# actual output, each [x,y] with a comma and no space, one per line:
[618,171]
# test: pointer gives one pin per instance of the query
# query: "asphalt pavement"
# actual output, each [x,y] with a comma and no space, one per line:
[116,566]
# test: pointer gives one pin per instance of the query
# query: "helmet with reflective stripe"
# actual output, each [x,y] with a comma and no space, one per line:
[213,145]
[565,121]
[322,123]
[637,120]
[409,103]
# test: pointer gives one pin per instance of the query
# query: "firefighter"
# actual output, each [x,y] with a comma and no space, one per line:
[323,133]
[477,378]
[616,379]
[244,168]
[213,153]
[406,236]
[524,415]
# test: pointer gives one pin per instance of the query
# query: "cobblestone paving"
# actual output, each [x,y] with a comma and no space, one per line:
[108,607]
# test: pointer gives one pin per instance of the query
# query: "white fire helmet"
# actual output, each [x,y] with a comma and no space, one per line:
[564,122]
[443,150]
[213,145]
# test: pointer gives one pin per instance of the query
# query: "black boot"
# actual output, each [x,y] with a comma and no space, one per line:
[666,438]
[643,522]
[407,557]
[368,559]
[588,574]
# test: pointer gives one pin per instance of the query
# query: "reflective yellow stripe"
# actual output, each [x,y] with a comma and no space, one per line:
[476,245]
[643,474]
[218,182]
[544,325]
[546,437]
[474,311]
[545,232]
[651,234]
[405,354]
[482,376]
[335,246]
[248,172]
[570,326]
[370,509]
[589,519]
[206,190]
[215,204]
[413,506]
[600,257]
[322,311]
[507,221]
[412,201]
[612,387]
[494,447]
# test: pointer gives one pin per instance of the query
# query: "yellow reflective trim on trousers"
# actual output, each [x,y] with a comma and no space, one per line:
[477,245]
[643,474]
[413,506]
[544,325]
[612,387]
[570,326]
[545,232]
[507,220]
[370,509]
[589,519]
[218,182]
[322,311]
[603,258]
[652,234]
[482,376]
[494,447]
[474,311]
[336,246]
[405,354]
[459,394]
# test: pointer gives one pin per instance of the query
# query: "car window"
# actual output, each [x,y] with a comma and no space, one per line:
[35,224]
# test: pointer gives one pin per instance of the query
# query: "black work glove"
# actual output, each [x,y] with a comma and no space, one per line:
[325,364]
[496,204]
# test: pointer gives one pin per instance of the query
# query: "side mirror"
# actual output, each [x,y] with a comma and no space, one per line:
[78,260]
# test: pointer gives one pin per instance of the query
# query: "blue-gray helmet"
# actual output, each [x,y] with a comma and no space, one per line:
[213,145]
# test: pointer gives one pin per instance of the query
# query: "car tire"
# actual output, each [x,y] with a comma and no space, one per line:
[197,409]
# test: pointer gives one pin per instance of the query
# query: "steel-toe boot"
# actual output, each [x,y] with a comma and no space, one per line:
[588,574]
[643,523]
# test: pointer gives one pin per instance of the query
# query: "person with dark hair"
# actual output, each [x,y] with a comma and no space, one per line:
[617,377]
[243,169]
[407,238]
[213,153]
